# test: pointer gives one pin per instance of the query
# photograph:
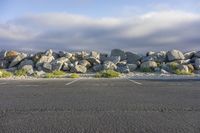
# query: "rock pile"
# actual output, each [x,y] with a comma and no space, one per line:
[83,62]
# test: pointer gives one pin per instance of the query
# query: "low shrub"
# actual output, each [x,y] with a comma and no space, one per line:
[5,74]
[55,74]
[74,75]
[182,72]
[21,72]
[107,74]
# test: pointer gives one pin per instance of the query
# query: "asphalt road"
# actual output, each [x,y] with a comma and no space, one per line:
[99,106]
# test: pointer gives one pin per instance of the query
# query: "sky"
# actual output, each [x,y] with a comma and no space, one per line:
[102,25]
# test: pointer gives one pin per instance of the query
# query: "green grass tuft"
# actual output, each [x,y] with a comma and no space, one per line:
[5,74]
[74,75]
[179,72]
[107,74]
[55,74]
[21,72]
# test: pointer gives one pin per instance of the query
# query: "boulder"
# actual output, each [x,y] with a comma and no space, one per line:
[25,62]
[65,54]
[66,67]
[48,52]
[164,71]
[10,55]
[118,52]
[132,58]
[94,61]
[123,69]
[122,63]
[47,67]
[81,55]
[44,59]
[97,68]
[197,54]
[78,69]
[95,54]
[17,59]
[84,63]
[132,67]
[56,65]
[147,58]
[150,53]
[3,54]
[197,64]
[103,57]
[4,64]
[108,65]
[29,69]
[183,68]
[190,67]
[148,65]
[39,73]
[175,55]
[114,59]
[189,55]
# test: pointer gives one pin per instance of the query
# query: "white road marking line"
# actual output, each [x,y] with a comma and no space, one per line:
[134,82]
[72,82]
[3,83]
[28,85]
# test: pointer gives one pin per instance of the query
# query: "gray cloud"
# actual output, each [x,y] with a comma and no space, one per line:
[62,31]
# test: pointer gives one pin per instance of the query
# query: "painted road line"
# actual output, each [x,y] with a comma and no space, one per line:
[72,82]
[135,82]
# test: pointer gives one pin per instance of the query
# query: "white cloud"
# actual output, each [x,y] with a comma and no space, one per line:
[154,30]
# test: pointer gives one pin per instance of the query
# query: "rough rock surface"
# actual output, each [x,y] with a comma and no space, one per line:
[118,52]
[175,55]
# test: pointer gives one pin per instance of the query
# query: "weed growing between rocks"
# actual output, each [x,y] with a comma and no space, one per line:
[55,74]
[182,72]
[107,74]
[5,74]
[21,72]
[74,76]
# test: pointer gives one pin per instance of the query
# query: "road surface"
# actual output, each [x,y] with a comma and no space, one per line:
[99,106]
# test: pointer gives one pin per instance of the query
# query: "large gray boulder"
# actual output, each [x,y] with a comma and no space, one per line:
[123,69]
[47,67]
[78,69]
[48,52]
[66,67]
[148,65]
[44,59]
[94,61]
[97,68]
[132,58]
[114,59]
[183,68]
[29,69]
[17,59]
[57,64]
[95,54]
[197,64]
[4,64]
[25,62]
[108,65]
[81,55]
[85,63]
[3,54]
[189,55]
[197,54]
[175,55]
[132,67]
[118,52]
